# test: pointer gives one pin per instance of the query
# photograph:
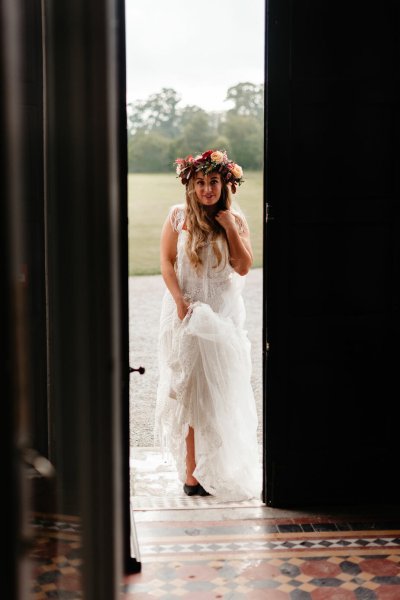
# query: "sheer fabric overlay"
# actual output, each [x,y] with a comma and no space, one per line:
[205,373]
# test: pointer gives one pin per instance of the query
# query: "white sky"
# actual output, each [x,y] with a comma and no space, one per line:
[199,49]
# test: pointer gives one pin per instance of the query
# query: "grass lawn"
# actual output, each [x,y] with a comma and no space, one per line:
[149,198]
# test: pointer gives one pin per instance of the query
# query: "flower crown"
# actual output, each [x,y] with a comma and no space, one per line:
[210,161]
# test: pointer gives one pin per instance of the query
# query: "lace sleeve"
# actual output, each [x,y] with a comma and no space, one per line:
[241,222]
[177,217]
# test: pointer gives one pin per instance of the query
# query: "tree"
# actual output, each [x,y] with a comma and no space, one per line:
[156,114]
[197,134]
[148,153]
[248,99]
[245,135]
[159,130]
[187,113]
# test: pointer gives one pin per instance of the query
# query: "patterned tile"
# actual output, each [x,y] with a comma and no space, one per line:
[268,546]
[256,575]
[234,560]
[56,558]
[307,580]
[250,559]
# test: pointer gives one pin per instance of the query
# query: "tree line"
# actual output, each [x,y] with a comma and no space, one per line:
[160,130]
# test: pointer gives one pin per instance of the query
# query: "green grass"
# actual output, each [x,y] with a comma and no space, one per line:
[149,198]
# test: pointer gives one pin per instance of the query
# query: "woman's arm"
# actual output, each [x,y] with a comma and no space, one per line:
[240,251]
[169,239]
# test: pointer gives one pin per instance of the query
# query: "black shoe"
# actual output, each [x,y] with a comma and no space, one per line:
[202,491]
[191,490]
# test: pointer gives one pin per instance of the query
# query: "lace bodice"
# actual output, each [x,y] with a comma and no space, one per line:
[211,282]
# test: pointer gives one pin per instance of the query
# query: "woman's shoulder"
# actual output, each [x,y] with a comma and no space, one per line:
[176,215]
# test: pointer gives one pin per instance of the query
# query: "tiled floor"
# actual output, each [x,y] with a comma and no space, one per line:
[56,558]
[199,550]
[275,559]
[298,558]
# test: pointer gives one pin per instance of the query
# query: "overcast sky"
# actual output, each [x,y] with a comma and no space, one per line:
[200,49]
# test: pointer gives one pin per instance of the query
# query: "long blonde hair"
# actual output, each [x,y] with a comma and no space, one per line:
[202,228]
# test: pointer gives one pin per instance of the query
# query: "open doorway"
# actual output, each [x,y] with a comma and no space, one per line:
[181,101]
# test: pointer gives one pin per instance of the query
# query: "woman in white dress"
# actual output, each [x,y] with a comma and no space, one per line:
[205,413]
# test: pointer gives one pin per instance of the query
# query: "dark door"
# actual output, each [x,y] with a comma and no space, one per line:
[23,380]
[33,267]
[84,223]
[332,251]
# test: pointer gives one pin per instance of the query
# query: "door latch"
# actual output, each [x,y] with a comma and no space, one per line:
[140,370]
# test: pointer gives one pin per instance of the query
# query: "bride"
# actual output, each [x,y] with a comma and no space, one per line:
[205,413]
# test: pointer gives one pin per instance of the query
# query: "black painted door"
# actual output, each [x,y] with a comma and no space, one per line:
[332,251]
[33,267]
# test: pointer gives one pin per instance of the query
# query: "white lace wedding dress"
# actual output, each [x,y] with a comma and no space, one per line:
[205,371]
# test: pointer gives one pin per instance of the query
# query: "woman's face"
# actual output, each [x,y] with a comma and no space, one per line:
[208,188]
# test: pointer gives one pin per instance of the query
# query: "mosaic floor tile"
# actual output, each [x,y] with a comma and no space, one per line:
[313,579]
[56,558]
[269,559]
[245,559]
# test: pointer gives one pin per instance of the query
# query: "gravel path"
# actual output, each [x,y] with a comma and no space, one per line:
[145,296]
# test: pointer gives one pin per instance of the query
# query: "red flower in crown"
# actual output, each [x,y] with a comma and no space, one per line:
[206,154]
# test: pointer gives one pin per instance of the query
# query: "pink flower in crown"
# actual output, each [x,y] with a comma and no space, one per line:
[217,157]
[180,165]
[236,170]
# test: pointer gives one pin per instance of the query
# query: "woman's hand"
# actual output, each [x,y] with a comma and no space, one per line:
[226,219]
[182,307]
